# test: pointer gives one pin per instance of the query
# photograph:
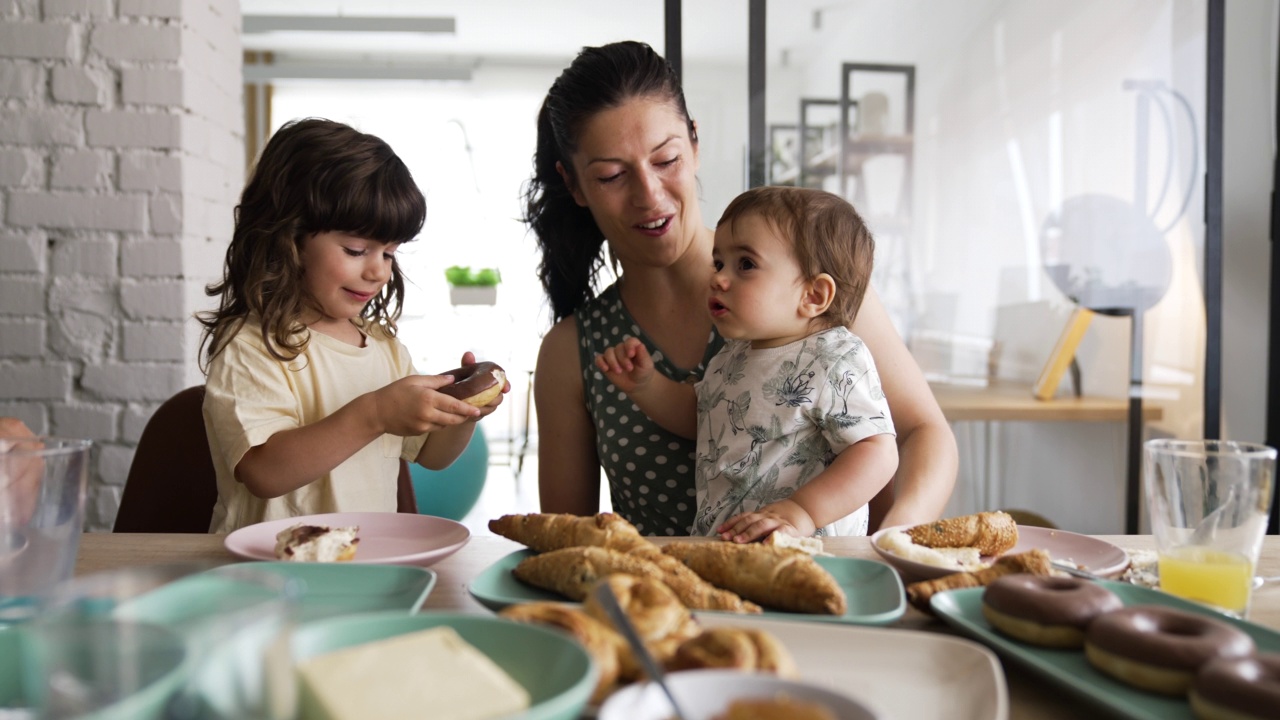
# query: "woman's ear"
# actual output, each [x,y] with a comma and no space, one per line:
[578,197]
[818,295]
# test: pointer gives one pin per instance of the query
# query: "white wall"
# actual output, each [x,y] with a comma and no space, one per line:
[121,154]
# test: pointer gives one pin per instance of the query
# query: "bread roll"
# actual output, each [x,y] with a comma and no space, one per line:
[605,646]
[775,577]
[695,592]
[992,533]
[553,531]
[746,649]
[572,571]
[1036,562]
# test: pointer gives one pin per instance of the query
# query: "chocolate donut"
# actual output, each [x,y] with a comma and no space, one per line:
[1159,648]
[1238,688]
[1043,610]
[476,384]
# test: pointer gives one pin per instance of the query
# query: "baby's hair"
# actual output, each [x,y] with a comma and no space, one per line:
[314,176]
[826,234]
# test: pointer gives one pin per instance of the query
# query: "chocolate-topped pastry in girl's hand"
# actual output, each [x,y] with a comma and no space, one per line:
[477,384]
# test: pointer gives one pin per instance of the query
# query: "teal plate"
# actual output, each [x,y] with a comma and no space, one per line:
[324,590]
[873,590]
[552,667]
[1069,668]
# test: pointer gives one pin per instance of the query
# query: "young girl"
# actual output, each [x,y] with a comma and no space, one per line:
[310,400]
[792,427]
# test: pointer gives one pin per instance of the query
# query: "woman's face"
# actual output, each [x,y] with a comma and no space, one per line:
[635,168]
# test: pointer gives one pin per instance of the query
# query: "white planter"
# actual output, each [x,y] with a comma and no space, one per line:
[473,295]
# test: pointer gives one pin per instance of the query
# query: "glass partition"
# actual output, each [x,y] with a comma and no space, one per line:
[1028,170]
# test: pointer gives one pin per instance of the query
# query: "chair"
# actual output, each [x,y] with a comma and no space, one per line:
[172,485]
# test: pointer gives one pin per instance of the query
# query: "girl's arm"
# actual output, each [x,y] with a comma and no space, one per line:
[568,468]
[847,484]
[290,459]
[926,446]
[444,446]
[672,405]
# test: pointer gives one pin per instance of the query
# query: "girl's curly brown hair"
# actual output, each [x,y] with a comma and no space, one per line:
[313,176]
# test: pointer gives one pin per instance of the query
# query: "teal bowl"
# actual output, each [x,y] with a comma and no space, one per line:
[556,672]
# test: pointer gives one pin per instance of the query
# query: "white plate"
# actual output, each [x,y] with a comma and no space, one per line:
[385,538]
[1097,556]
[901,673]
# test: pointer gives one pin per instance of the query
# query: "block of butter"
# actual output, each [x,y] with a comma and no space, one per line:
[433,673]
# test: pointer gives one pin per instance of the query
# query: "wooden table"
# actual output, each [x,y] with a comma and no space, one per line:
[1007,401]
[1029,695]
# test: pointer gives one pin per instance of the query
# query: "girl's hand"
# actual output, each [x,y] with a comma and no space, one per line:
[784,516]
[411,406]
[628,365]
[469,358]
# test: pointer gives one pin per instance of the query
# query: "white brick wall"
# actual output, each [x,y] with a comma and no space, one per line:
[121,157]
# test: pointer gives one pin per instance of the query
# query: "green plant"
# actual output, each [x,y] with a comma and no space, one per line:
[463,276]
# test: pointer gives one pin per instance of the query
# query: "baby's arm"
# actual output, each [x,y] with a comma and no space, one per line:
[856,475]
[292,458]
[668,403]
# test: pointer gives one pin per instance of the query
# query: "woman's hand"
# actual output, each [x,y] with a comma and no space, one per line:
[784,516]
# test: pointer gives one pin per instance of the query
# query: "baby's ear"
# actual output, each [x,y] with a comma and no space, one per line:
[818,295]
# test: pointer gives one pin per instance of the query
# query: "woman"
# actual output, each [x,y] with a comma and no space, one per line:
[616,163]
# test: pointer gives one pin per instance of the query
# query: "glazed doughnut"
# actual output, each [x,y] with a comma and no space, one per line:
[1238,688]
[1044,610]
[1159,648]
[476,384]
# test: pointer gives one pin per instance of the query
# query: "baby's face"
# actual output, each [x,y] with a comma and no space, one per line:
[756,285]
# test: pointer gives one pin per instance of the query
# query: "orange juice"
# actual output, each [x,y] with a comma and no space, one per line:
[1218,578]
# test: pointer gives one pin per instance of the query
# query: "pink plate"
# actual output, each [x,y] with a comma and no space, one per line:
[385,538]
[1097,556]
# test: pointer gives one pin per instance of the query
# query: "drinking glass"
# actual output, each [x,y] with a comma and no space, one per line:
[42,488]
[171,642]
[1208,502]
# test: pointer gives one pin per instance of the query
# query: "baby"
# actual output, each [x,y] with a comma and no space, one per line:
[792,425]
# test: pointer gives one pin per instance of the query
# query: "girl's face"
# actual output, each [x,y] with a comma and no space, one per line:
[341,274]
[635,168]
[756,287]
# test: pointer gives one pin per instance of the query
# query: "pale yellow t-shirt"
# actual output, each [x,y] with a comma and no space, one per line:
[250,395]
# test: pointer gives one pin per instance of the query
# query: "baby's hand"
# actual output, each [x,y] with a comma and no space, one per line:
[411,406]
[469,358]
[784,516]
[628,365]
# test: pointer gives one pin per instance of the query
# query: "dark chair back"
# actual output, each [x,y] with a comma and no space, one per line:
[172,485]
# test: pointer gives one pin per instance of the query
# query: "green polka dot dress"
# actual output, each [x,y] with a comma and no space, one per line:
[650,470]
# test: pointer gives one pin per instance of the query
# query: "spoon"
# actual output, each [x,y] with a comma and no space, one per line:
[604,595]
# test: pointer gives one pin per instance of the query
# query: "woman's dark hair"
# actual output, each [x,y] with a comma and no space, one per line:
[600,78]
[314,176]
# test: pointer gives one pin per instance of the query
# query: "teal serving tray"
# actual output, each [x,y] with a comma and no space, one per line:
[963,610]
[873,590]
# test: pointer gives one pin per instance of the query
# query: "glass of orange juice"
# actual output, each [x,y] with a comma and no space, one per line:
[1208,502]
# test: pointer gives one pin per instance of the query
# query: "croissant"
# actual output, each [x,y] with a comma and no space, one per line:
[572,571]
[745,649]
[695,592]
[552,531]
[605,646]
[776,577]
[660,619]
[991,532]
[1036,562]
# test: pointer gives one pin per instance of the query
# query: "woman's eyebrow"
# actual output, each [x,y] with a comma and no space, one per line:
[655,149]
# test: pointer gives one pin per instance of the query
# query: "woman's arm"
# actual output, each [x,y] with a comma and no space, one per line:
[568,468]
[927,455]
